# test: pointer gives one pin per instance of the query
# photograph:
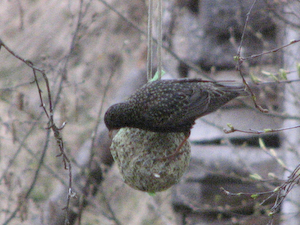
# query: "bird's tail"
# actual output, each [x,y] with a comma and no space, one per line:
[233,86]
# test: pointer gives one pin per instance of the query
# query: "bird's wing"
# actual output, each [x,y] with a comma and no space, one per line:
[207,100]
[196,100]
[164,110]
[198,104]
[183,107]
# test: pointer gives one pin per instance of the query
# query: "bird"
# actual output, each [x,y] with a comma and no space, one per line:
[171,105]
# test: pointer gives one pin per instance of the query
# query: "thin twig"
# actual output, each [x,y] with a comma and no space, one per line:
[94,135]
[248,194]
[270,51]
[12,160]
[100,119]
[285,189]
[50,116]
[252,131]
[41,161]
[110,209]
[240,61]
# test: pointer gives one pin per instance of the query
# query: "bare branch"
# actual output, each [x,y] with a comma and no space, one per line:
[252,131]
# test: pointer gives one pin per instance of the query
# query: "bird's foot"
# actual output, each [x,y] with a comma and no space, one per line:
[170,157]
[176,153]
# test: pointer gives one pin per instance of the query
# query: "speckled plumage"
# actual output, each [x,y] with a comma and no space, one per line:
[171,105]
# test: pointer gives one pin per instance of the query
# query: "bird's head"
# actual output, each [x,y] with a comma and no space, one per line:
[112,117]
[117,117]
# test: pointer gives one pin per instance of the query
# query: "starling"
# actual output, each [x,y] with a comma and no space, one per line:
[171,105]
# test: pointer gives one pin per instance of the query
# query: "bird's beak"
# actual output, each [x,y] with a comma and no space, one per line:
[110,134]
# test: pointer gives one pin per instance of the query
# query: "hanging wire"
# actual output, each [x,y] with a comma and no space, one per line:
[150,41]
[159,40]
